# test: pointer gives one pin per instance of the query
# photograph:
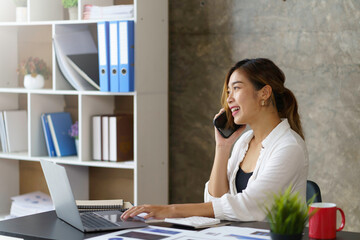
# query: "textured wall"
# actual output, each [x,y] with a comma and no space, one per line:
[316,43]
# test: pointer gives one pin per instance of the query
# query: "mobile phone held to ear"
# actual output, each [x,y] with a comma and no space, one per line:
[220,124]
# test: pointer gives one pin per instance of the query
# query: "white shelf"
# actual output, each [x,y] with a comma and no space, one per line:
[145,178]
[64,92]
[59,22]
[70,160]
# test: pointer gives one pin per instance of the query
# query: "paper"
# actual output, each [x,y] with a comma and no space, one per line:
[31,203]
[151,232]
[230,232]
[64,44]
[2,237]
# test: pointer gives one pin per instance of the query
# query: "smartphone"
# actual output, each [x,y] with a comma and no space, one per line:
[220,124]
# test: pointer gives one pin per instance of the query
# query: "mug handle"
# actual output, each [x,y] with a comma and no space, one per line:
[342,220]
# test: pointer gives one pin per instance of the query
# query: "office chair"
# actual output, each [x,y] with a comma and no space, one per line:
[311,189]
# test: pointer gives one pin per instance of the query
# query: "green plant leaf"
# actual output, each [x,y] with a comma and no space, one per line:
[69,3]
[287,214]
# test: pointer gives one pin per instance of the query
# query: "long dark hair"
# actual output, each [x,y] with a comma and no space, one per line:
[261,72]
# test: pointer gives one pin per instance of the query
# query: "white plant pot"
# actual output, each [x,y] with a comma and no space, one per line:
[73,13]
[31,82]
[21,14]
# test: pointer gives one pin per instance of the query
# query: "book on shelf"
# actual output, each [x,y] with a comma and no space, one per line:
[16,130]
[92,12]
[3,137]
[105,137]
[47,134]
[113,137]
[121,139]
[60,124]
[96,138]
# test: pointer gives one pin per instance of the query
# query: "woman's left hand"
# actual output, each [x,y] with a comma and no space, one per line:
[155,211]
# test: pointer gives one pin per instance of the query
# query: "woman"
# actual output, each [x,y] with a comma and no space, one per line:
[263,161]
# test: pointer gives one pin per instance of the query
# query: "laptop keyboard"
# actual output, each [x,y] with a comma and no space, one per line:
[91,220]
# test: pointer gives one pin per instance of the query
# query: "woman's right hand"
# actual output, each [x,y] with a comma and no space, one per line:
[227,142]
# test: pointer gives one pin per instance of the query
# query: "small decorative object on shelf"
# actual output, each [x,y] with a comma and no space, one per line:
[287,215]
[72,6]
[21,10]
[74,132]
[35,71]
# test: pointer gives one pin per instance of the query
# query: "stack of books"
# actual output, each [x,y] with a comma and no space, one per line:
[92,12]
[113,137]
[13,131]
[56,127]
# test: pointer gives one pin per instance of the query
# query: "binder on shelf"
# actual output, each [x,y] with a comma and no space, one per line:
[3,137]
[60,124]
[126,56]
[105,137]
[15,122]
[103,51]
[47,134]
[121,139]
[96,138]
[114,56]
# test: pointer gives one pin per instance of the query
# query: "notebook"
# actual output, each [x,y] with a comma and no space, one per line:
[47,134]
[66,209]
[100,205]
[59,125]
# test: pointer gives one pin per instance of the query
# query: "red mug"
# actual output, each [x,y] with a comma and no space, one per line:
[322,225]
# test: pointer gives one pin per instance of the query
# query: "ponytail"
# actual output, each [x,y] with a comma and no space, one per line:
[287,107]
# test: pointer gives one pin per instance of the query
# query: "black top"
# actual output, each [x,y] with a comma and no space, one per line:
[241,180]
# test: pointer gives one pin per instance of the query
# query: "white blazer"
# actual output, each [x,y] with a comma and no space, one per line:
[283,160]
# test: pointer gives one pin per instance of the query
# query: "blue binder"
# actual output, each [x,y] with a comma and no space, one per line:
[47,134]
[103,50]
[114,56]
[60,124]
[126,56]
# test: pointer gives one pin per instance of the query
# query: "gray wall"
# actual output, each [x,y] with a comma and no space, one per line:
[316,43]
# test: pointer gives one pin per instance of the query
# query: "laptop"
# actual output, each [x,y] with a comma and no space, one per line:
[66,209]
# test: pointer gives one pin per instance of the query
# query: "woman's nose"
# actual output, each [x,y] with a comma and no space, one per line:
[229,98]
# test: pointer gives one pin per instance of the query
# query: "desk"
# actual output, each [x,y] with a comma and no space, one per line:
[48,226]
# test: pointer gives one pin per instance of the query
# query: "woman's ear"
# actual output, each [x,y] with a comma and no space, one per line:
[265,92]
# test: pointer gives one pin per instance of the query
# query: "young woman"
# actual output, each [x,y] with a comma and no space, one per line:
[267,159]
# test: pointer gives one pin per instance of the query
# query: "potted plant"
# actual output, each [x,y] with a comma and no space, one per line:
[287,215]
[21,10]
[35,71]
[71,5]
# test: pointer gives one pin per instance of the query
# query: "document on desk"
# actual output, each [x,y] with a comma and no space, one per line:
[2,237]
[155,233]
[230,232]
[151,232]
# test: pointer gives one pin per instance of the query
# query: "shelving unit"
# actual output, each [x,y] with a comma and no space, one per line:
[143,180]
